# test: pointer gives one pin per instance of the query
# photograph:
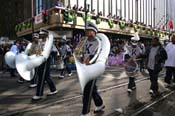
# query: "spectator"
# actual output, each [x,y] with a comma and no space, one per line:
[59,3]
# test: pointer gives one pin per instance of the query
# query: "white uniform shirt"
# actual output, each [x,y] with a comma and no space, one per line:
[90,48]
[133,51]
[170,49]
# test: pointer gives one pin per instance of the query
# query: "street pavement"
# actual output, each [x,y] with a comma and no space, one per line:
[15,98]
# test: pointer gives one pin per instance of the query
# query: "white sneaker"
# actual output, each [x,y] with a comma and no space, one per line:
[61,76]
[119,110]
[99,108]
[133,88]
[151,91]
[129,90]
[52,93]
[86,114]
[70,74]
[32,85]
[36,97]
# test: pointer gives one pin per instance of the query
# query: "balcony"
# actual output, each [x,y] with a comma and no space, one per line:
[56,17]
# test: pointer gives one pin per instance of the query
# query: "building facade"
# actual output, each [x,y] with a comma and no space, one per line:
[150,12]
[13,12]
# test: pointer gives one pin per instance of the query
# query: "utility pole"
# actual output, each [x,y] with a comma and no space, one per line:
[86,7]
[154,14]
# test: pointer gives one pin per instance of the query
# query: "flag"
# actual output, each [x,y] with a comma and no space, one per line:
[170,24]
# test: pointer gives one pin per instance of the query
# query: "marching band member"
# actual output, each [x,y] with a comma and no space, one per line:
[133,51]
[44,72]
[90,89]
[156,55]
[170,62]
[65,52]
[34,49]
[15,50]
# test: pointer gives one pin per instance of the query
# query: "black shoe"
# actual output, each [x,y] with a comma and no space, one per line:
[13,75]
[155,94]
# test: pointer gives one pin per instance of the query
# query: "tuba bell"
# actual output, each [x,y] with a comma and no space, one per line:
[90,72]
[10,59]
[25,64]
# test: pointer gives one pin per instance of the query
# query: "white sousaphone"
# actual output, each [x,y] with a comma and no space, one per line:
[92,71]
[25,64]
[10,59]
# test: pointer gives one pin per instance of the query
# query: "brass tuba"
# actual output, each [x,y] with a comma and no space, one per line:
[25,64]
[90,72]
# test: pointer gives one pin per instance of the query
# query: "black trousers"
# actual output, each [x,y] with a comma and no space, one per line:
[66,67]
[131,83]
[35,78]
[154,79]
[91,85]
[12,72]
[170,71]
[44,75]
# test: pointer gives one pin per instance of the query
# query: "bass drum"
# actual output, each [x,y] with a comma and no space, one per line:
[131,68]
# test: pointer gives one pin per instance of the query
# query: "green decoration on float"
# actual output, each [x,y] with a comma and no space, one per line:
[69,15]
[122,24]
[136,28]
[88,17]
[17,28]
[98,21]
[110,23]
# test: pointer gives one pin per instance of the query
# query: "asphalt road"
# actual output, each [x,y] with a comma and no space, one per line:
[15,98]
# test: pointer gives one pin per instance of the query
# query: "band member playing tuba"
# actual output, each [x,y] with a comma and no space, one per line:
[90,89]
[133,51]
[43,69]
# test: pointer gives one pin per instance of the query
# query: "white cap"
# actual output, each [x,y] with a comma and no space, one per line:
[92,26]
[136,38]
[43,31]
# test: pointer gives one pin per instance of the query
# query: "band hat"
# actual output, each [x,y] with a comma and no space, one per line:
[63,39]
[36,35]
[91,26]
[43,31]
[135,39]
